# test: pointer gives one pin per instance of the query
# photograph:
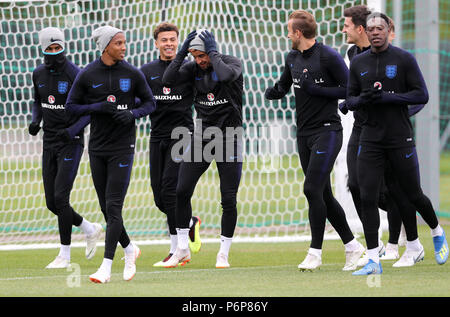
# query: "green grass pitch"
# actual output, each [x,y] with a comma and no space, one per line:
[257,270]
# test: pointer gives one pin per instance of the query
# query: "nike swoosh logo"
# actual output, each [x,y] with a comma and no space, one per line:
[123,165]
[319,152]
[41,85]
[409,155]
[96,86]
[54,40]
[419,257]
[152,78]
[68,159]
[198,78]
[362,74]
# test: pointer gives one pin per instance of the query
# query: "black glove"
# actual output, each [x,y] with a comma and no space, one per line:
[64,135]
[303,78]
[308,85]
[343,107]
[124,117]
[33,128]
[370,96]
[185,47]
[376,94]
[366,97]
[108,107]
[270,93]
[209,41]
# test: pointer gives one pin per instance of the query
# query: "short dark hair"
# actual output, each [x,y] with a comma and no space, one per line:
[305,22]
[358,14]
[164,27]
[391,24]
[379,15]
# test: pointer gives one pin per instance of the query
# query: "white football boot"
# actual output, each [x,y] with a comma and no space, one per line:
[129,270]
[352,258]
[410,257]
[222,261]
[391,252]
[91,241]
[101,276]
[365,258]
[180,257]
[310,263]
[58,263]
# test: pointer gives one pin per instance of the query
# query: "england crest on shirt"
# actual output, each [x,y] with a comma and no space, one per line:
[125,84]
[62,87]
[391,71]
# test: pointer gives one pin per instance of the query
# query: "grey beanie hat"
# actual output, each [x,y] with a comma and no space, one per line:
[103,35]
[49,36]
[197,42]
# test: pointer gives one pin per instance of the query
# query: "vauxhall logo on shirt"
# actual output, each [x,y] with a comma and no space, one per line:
[167,96]
[113,99]
[212,101]
[305,76]
[50,105]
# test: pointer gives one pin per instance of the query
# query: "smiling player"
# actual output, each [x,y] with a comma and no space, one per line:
[106,89]
[174,110]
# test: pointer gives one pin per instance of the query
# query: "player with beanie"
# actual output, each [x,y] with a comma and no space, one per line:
[107,89]
[62,142]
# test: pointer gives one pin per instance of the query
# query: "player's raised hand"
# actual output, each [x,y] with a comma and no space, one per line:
[209,41]
[185,47]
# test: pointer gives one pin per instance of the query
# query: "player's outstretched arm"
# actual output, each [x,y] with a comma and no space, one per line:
[417,90]
[36,112]
[69,133]
[412,110]
[338,69]
[75,103]
[281,87]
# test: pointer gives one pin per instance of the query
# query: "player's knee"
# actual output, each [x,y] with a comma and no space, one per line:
[183,194]
[51,206]
[353,186]
[114,218]
[417,198]
[114,209]
[369,201]
[168,195]
[158,201]
[229,202]
[311,191]
[61,200]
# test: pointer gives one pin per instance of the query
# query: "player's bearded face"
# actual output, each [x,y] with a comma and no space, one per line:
[377,32]
[117,47]
[167,43]
[293,36]
[201,58]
